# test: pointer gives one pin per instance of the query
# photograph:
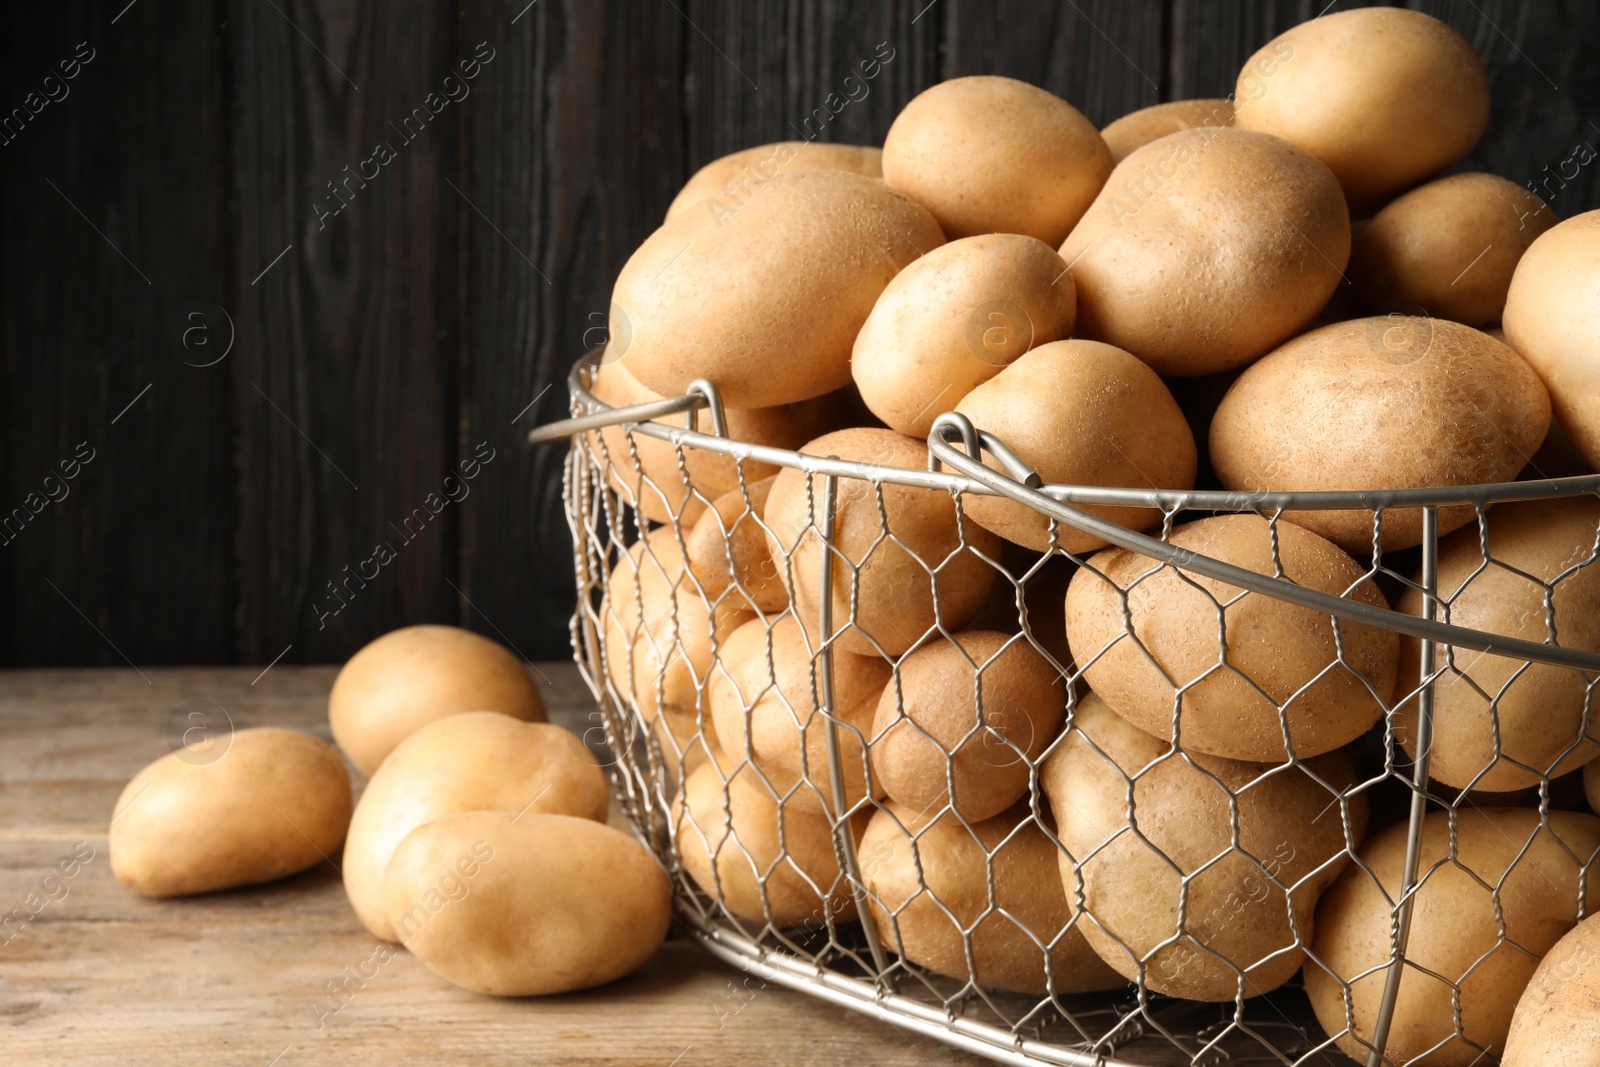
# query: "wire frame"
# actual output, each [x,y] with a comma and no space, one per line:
[755,774]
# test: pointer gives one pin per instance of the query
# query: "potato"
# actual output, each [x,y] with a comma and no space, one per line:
[770,710]
[1384,96]
[994,155]
[931,745]
[660,635]
[1249,911]
[1137,129]
[765,302]
[732,835]
[410,677]
[646,473]
[1156,276]
[914,864]
[517,906]
[730,530]
[1448,248]
[1557,1020]
[1288,651]
[1080,413]
[1536,726]
[1552,317]
[1043,588]
[953,319]
[725,185]
[1396,402]
[890,579]
[475,761]
[1456,948]
[273,803]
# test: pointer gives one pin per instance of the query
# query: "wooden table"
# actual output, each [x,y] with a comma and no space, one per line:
[101,975]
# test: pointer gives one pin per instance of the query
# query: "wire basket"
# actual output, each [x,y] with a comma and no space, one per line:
[795,857]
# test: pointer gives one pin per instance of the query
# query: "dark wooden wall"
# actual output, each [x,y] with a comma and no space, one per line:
[180,184]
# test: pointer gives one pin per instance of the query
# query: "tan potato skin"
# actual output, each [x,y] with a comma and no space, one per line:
[955,864]
[784,732]
[1552,318]
[995,155]
[928,727]
[1454,927]
[731,529]
[767,301]
[1448,247]
[1080,413]
[274,803]
[1557,1021]
[1138,128]
[1396,402]
[410,677]
[893,579]
[660,655]
[953,319]
[726,816]
[1541,708]
[1154,278]
[1290,823]
[1386,97]
[730,181]
[653,482]
[517,906]
[1279,646]
[475,761]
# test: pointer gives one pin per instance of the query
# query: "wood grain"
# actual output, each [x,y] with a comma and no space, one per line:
[102,976]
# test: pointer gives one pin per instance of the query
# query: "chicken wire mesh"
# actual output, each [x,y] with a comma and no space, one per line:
[880,769]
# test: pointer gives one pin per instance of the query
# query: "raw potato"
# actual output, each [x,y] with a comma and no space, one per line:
[1253,907]
[994,155]
[1393,402]
[1541,708]
[1044,588]
[731,529]
[654,483]
[928,729]
[1208,248]
[779,723]
[1448,248]
[273,803]
[765,302]
[413,676]
[729,182]
[475,761]
[1557,1021]
[1080,413]
[891,580]
[1139,128]
[954,867]
[659,656]
[1384,96]
[526,906]
[728,817]
[1552,318]
[1455,929]
[1284,649]
[953,319]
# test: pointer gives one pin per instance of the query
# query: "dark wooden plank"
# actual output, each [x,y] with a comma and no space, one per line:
[113,217]
[1211,41]
[569,165]
[1102,56]
[344,386]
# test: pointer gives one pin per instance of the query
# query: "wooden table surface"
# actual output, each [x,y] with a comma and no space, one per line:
[100,975]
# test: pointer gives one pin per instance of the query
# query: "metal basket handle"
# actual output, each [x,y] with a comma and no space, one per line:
[1020,483]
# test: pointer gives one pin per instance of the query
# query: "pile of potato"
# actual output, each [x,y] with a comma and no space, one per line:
[480,841]
[1066,767]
